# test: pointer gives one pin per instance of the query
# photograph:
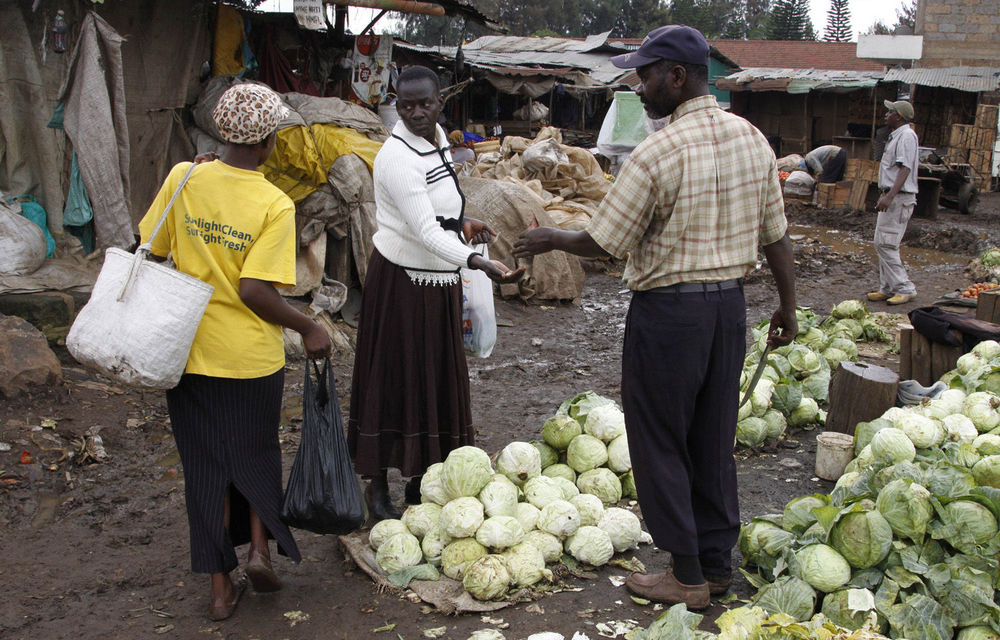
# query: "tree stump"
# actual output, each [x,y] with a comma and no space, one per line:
[859,392]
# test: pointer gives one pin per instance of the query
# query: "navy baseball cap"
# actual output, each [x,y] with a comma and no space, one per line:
[676,42]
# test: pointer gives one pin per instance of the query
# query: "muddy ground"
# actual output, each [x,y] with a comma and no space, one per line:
[100,550]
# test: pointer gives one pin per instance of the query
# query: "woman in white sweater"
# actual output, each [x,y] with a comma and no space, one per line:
[410,396]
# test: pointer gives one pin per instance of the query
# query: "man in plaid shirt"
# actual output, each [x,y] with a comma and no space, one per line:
[689,209]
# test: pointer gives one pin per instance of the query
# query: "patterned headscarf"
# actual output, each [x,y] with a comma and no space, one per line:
[248,113]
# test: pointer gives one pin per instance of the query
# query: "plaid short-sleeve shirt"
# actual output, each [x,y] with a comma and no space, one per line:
[694,201]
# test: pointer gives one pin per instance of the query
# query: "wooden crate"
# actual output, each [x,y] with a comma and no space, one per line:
[986,116]
[923,360]
[955,155]
[851,169]
[960,136]
[988,306]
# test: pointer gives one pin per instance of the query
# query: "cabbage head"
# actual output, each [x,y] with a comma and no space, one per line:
[432,545]
[798,515]
[977,632]
[822,567]
[602,483]
[981,408]
[486,578]
[776,424]
[922,431]
[890,446]
[465,472]
[851,608]
[760,538]
[862,537]
[590,545]
[968,363]
[568,487]
[751,432]
[462,517]
[849,309]
[550,546]
[804,361]
[560,518]
[486,634]
[560,470]
[421,518]
[987,472]
[527,514]
[960,428]
[431,487]
[990,258]
[460,554]
[987,444]
[586,452]
[628,485]
[864,431]
[499,496]
[520,462]
[835,356]
[849,328]
[500,532]
[622,526]
[788,595]
[972,521]
[385,529]
[542,490]
[907,508]
[804,414]
[558,431]
[580,406]
[619,459]
[814,338]
[590,507]
[605,422]
[526,564]
[987,349]
[399,552]
[846,345]
[546,453]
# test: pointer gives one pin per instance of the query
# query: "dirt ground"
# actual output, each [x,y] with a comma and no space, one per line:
[101,550]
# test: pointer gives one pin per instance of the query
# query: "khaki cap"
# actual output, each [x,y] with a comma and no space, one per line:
[902,107]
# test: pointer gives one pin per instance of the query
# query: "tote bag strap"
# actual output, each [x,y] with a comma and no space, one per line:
[146,248]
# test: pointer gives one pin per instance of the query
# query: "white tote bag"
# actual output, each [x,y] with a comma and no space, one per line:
[479,320]
[142,316]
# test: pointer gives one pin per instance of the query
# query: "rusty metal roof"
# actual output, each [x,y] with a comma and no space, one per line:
[798,80]
[972,79]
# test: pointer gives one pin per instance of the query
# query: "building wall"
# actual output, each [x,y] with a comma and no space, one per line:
[959,32]
[717,69]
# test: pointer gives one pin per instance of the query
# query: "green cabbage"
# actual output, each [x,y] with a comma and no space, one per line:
[526,564]
[567,486]
[602,483]
[751,432]
[862,536]
[923,432]
[987,444]
[981,408]
[385,529]
[849,309]
[431,487]
[399,552]
[465,472]
[605,422]
[486,578]
[971,522]
[835,356]
[421,518]
[960,428]
[987,349]
[822,567]
[559,430]
[590,507]
[776,424]
[798,515]
[560,470]
[804,361]
[499,496]
[546,453]
[548,544]
[432,545]
[851,609]
[579,406]
[462,517]
[499,532]
[804,414]
[619,459]
[586,452]
[590,545]
[788,595]
[622,526]
[520,462]
[977,632]
[814,338]
[560,518]
[890,446]
[458,555]
[987,471]
[527,514]
[628,485]
[907,508]
[542,490]
[990,258]
[864,431]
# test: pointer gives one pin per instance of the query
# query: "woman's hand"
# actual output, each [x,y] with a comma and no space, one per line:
[496,271]
[477,231]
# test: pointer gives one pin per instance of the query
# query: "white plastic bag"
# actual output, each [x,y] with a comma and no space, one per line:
[479,320]
[141,319]
[22,243]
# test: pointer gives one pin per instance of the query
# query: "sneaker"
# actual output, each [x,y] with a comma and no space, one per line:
[877,296]
[718,585]
[899,298]
[664,587]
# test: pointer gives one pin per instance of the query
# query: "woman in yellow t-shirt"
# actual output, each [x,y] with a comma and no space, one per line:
[233,229]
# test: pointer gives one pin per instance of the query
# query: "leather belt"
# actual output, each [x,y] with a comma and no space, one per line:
[698,287]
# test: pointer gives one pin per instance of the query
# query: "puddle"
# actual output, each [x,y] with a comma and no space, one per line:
[848,243]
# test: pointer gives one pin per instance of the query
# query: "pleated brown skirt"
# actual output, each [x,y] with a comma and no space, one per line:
[410,394]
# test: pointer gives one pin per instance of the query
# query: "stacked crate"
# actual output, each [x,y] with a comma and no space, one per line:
[862,175]
[833,195]
[972,144]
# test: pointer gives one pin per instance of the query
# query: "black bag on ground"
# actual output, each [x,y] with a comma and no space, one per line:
[322,495]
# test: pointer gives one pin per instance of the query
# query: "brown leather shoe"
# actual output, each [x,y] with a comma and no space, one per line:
[718,585]
[664,587]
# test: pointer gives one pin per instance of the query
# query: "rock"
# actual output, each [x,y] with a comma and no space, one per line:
[26,360]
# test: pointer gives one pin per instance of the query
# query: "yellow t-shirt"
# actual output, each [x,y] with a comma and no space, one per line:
[227,224]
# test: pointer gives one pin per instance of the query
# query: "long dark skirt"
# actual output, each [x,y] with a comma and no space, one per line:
[227,435]
[410,395]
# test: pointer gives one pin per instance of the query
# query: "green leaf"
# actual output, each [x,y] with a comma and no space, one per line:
[403,577]
[676,623]
[920,617]
[786,396]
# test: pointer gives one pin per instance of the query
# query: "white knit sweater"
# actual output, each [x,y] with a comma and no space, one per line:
[416,198]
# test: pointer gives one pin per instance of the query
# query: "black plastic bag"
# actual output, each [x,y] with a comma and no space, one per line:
[323,495]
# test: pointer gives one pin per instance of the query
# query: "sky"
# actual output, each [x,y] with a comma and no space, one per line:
[864,13]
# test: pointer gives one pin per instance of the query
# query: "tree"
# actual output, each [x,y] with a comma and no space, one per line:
[906,19]
[838,22]
[711,17]
[790,21]
[748,20]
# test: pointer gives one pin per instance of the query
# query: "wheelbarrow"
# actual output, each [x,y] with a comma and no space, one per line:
[958,180]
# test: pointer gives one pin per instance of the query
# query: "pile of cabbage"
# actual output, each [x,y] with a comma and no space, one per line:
[907,542]
[796,380]
[495,528]
[978,370]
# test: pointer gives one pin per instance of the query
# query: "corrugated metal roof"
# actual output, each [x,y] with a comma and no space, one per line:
[972,79]
[798,80]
